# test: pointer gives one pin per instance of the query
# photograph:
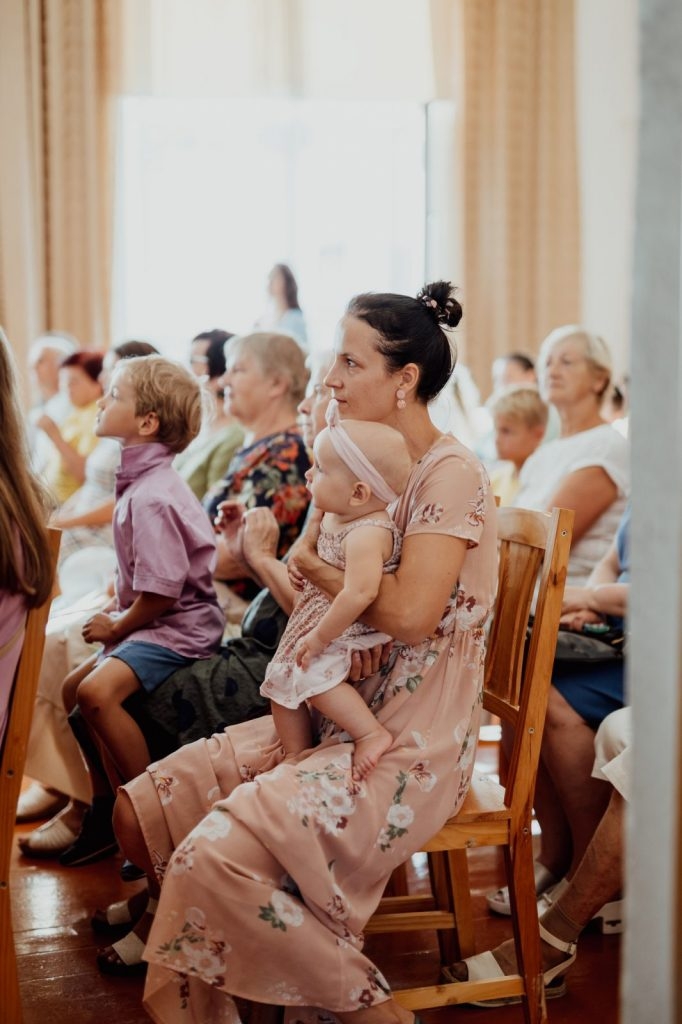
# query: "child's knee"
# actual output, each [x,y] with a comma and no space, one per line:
[90,695]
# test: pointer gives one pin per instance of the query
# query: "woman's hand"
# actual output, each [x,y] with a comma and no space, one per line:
[229,516]
[577,619]
[368,663]
[101,628]
[260,536]
[229,521]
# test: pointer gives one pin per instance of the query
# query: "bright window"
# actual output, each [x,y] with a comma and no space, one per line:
[211,193]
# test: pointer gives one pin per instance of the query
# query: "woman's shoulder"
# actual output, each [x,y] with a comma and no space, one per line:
[448,449]
[445,483]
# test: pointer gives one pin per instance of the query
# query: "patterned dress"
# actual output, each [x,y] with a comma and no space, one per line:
[269,472]
[287,683]
[271,869]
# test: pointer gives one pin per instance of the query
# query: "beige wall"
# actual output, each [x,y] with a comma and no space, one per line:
[607,110]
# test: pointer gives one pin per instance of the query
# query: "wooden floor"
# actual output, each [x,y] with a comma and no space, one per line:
[61,984]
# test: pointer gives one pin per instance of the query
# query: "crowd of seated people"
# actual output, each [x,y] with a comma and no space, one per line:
[392,359]
[267,471]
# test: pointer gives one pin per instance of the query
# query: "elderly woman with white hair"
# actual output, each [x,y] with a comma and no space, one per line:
[587,469]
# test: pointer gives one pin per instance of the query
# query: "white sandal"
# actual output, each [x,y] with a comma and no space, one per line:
[484,967]
[498,901]
[50,839]
[129,952]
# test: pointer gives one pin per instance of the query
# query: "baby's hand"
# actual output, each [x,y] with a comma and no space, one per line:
[307,648]
[101,628]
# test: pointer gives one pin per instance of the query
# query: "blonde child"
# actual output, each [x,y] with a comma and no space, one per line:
[520,418]
[359,468]
[167,612]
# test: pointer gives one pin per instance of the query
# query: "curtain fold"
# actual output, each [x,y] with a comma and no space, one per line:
[57,77]
[509,66]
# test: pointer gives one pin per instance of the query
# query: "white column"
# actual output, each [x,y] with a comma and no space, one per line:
[655,665]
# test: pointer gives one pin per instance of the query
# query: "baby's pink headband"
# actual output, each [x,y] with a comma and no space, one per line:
[356,460]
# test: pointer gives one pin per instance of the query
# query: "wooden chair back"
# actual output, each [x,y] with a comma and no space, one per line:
[533,560]
[12,759]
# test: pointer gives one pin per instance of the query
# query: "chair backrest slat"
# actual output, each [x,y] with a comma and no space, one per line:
[533,561]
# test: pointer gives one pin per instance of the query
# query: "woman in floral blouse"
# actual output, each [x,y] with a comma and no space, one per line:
[265,379]
[271,868]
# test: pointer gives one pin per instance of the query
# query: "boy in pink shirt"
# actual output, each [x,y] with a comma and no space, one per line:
[168,614]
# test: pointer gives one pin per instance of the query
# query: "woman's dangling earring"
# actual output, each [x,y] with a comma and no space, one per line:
[400,395]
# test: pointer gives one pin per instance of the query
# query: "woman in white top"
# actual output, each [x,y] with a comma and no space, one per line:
[587,467]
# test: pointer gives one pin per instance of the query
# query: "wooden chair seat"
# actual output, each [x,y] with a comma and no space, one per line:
[534,549]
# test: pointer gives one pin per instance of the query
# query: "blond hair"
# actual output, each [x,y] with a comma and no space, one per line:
[279,356]
[24,503]
[386,449]
[521,403]
[171,392]
[596,351]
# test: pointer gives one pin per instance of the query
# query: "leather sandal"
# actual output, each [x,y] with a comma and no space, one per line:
[51,839]
[498,901]
[123,959]
[122,914]
[484,967]
[126,961]
[38,802]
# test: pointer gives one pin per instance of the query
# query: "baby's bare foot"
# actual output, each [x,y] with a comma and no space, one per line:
[368,750]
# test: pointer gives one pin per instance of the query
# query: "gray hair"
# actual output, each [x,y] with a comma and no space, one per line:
[596,350]
[278,354]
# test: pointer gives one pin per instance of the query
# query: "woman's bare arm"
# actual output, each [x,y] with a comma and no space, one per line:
[99,516]
[589,492]
[601,594]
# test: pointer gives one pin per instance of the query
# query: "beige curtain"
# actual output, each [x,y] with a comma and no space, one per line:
[509,65]
[57,77]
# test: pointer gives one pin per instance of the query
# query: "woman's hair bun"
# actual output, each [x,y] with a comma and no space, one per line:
[439,299]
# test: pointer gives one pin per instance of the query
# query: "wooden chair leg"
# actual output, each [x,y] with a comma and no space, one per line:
[461,895]
[9,978]
[443,883]
[397,883]
[526,936]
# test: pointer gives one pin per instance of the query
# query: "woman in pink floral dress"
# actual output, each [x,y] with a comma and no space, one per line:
[271,868]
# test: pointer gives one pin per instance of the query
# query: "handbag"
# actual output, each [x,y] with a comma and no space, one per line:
[589,647]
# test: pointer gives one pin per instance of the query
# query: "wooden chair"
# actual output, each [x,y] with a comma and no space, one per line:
[12,758]
[533,546]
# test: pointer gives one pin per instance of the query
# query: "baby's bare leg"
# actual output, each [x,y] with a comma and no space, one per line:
[344,705]
[294,728]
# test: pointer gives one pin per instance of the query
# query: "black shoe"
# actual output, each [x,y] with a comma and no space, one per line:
[95,841]
[130,872]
